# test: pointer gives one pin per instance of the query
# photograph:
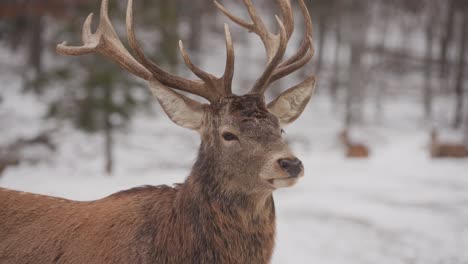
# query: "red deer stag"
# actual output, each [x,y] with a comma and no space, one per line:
[224,211]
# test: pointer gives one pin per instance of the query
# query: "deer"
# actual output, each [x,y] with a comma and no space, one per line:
[444,150]
[224,210]
[353,149]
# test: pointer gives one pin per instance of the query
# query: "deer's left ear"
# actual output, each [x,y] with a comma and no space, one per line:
[290,104]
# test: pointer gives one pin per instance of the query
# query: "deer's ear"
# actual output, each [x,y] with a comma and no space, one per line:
[288,106]
[181,110]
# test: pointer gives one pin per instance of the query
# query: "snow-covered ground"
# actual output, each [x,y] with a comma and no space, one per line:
[399,206]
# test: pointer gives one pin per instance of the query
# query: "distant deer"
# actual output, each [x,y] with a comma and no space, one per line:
[224,211]
[353,149]
[444,150]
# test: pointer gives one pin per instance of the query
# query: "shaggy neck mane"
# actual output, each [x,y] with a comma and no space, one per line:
[213,219]
[204,186]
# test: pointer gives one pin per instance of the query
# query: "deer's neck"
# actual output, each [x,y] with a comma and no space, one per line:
[226,229]
[209,198]
[209,184]
[231,227]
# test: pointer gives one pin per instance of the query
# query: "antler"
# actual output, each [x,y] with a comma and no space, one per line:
[226,80]
[106,42]
[275,45]
[209,85]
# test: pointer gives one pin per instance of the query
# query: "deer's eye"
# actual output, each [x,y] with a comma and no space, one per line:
[282,131]
[229,136]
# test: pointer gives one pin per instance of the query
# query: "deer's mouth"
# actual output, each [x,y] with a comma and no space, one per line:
[283,181]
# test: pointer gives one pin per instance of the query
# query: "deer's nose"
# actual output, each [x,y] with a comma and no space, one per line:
[292,166]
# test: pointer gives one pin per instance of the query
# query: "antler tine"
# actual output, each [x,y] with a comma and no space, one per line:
[262,83]
[191,86]
[306,44]
[260,28]
[292,67]
[224,83]
[241,22]
[105,42]
[303,55]
[287,16]
[206,77]
[230,61]
[275,45]
[257,26]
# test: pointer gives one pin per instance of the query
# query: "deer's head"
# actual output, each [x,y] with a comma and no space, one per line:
[241,136]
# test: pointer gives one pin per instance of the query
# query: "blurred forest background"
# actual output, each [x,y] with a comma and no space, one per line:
[391,100]
[366,52]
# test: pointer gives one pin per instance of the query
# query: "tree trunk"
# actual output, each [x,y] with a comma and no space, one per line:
[335,82]
[35,51]
[322,31]
[356,24]
[355,85]
[109,150]
[465,139]
[445,41]
[428,70]
[460,75]
[109,143]
[382,71]
[169,23]
[196,29]
[20,26]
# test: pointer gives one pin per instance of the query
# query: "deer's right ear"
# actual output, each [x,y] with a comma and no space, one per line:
[181,110]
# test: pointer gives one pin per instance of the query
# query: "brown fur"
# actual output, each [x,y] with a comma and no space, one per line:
[443,150]
[357,151]
[353,150]
[222,213]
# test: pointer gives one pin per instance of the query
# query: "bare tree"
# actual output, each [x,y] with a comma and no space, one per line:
[168,21]
[428,59]
[324,10]
[336,76]
[459,82]
[356,28]
[36,48]
[445,41]
[195,23]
